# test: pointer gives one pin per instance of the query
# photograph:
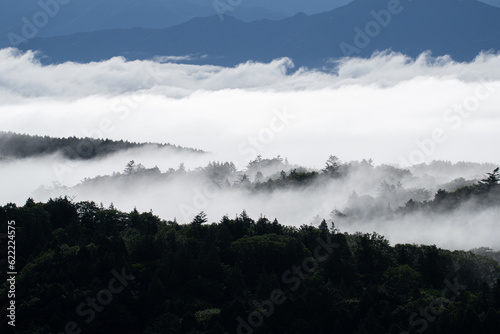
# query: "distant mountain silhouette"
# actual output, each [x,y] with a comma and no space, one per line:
[70,17]
[460,28]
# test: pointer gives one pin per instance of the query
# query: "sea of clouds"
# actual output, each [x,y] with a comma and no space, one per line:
[390,108]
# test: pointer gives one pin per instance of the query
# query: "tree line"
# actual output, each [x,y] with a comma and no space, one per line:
[14,145]
[236,275]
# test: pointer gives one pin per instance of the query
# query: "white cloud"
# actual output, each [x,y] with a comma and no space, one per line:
[386,108]
[379,108]
[382,107]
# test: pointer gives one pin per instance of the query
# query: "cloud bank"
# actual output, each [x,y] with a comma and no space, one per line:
[389,108]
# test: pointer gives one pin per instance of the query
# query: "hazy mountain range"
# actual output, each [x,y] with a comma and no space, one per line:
[92,15]
[459,28]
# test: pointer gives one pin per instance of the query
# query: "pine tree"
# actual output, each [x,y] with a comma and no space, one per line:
[490,181]
[332,167]
[200,218]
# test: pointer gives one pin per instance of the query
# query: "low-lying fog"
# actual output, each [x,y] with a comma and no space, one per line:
[391,109]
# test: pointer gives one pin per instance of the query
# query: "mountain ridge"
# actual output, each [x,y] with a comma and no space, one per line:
[357,29]
[17,146]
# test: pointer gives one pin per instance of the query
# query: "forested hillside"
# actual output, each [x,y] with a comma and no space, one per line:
[13,145]
[373,192]
[85,267]
[337,169]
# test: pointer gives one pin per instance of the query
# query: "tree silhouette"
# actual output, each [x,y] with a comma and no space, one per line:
[130,167]
[332,167]
[199,219]
[490,181]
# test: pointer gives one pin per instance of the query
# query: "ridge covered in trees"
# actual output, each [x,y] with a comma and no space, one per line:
[14,145]
[384,192]
[85,267]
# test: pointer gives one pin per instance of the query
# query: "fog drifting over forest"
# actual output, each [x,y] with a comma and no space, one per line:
[389,108]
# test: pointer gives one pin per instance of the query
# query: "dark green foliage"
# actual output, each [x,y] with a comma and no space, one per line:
[295,178]
[471,196]
[484,193]
[490,181]
[13,145]
[200,218]
[212,277]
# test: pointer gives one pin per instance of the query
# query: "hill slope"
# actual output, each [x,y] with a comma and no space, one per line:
[14,145]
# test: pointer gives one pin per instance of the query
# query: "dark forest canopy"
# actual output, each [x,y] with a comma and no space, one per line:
[14,145]
[238,275]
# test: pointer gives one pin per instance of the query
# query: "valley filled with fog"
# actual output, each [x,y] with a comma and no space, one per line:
[401,128]
[231,166]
